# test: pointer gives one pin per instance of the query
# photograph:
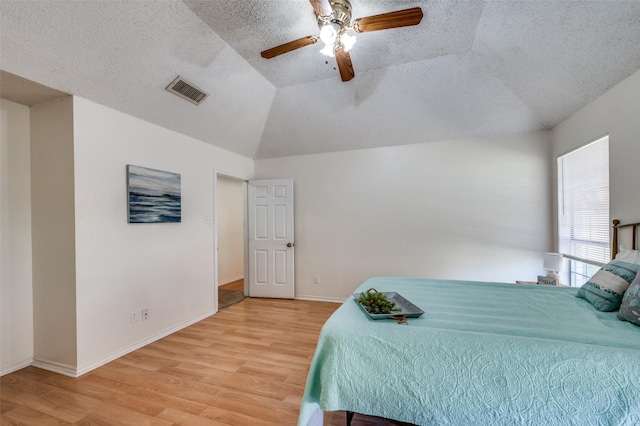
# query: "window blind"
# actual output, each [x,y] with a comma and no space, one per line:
[583,202]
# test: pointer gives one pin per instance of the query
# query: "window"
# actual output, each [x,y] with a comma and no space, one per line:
[583,208]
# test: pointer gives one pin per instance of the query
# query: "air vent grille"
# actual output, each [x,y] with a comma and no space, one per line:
[187,91]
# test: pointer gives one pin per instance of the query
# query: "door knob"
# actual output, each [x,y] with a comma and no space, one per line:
[289,245]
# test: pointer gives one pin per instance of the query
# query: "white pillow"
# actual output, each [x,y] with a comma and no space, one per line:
[628,255]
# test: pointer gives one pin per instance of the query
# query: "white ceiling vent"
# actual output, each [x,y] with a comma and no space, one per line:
[186,90]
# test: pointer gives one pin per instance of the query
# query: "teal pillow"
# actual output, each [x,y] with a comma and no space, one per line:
[630,307]
[605,288]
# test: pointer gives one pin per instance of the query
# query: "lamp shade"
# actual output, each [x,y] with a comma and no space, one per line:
[553,262]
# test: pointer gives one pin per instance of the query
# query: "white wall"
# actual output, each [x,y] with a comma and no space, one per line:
[465,209]
[90,267]
[121,267]
[617,113]
[16,322]
[53,232]
[230,216]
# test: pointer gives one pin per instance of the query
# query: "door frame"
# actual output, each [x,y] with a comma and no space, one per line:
[244,179]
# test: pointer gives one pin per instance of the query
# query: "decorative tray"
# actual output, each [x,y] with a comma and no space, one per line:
[407,309]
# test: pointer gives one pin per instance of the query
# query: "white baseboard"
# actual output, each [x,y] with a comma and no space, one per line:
[56,367]
[230,280]
[70,371]
[319,298]
[92,366]
[15,366]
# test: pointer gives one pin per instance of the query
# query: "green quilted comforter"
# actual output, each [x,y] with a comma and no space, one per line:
[481,354]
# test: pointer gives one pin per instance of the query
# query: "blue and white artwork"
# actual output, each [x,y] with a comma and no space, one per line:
[154,195]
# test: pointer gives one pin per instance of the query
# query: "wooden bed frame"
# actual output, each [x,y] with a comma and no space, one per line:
[634,236]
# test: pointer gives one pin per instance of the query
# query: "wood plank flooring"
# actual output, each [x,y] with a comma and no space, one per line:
[234,285]
[230,293]
[246,365]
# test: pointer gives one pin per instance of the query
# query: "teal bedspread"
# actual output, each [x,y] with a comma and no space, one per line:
[482,354]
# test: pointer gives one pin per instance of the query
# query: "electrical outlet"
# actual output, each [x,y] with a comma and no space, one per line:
[145,314]
[133,316]
[316,279]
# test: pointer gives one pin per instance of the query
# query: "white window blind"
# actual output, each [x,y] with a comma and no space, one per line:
[583,202]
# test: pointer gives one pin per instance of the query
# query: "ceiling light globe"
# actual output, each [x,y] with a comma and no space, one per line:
[347,41]
[328,50]
[328,34]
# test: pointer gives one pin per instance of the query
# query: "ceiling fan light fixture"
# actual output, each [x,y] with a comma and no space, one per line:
[347,41]
[334,20]
[329,33]
[327,50]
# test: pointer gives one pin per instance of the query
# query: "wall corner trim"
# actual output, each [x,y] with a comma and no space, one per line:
[56,367]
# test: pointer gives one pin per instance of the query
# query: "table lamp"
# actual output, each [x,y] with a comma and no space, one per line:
[553,264]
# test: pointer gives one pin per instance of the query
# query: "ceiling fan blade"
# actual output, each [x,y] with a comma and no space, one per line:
[400,18]
[344,64]
[322,7]
[288,47]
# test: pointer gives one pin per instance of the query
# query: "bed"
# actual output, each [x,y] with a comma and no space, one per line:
[481,354]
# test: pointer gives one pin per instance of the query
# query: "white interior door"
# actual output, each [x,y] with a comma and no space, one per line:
[271,250]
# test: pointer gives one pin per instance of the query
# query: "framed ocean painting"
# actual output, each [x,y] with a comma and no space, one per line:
[153,195]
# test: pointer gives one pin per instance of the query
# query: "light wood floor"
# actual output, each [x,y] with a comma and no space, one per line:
[234,285]
[246,365]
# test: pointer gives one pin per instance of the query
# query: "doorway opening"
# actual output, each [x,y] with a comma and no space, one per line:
[229,207]
[267,258]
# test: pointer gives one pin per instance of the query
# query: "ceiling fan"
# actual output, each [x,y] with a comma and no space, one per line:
[334,20]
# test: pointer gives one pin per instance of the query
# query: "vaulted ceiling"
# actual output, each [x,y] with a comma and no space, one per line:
[471,68]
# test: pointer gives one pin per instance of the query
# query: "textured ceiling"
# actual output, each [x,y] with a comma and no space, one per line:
[470,69]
